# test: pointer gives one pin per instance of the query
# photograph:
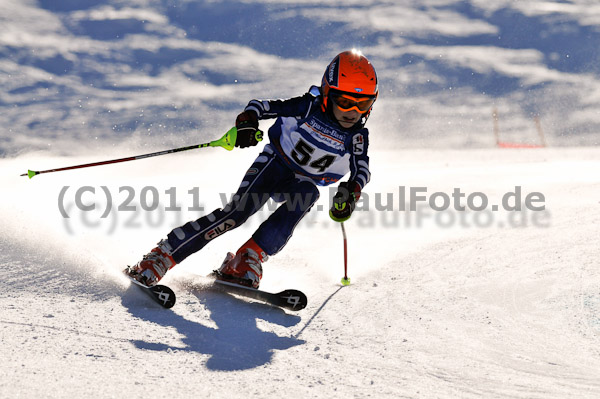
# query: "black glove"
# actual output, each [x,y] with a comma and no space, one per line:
[344,201]
[248,134]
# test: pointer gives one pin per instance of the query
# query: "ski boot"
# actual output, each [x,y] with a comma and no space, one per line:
[154,265]
[245,267]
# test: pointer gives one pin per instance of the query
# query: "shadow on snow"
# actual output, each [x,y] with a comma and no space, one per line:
[236,344]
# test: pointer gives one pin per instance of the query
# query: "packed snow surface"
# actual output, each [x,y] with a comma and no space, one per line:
[442,303]
[474,269]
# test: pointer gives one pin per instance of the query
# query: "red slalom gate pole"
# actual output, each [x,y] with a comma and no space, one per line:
[345,279]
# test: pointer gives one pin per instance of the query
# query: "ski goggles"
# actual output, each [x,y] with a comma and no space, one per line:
[347,102]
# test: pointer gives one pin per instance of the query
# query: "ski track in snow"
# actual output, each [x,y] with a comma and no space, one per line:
[431,312]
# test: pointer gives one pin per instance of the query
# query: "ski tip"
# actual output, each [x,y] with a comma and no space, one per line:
[293,300]
[163,295]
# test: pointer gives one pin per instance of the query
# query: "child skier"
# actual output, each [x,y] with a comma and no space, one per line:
[316,140]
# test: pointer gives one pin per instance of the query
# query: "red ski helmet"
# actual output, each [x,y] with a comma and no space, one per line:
[350,82]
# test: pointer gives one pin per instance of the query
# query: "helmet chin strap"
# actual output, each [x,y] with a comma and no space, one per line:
[365,116]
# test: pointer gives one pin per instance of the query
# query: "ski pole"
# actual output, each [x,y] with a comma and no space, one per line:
[227,142]
[345,279]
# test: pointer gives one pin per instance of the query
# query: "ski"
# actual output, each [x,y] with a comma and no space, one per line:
[161,294]
[288,299]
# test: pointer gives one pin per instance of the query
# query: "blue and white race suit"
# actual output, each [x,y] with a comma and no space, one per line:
[307,148]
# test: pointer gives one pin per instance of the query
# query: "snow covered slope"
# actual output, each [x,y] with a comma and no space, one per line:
[442,304]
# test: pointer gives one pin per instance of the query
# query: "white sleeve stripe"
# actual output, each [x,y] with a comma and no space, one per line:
[309,108]
[362,181]
[362,175]
[256,106]
[363,168]
[365,175]
[252,108]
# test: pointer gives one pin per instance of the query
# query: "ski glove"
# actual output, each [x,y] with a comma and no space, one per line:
[248,134]
[344,201]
